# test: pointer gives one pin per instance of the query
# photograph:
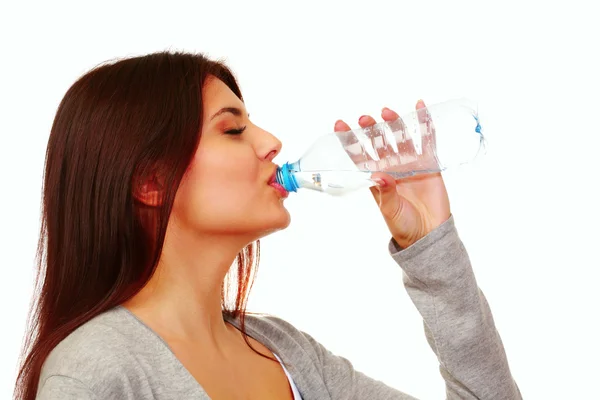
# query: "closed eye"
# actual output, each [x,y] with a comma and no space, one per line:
[236,131]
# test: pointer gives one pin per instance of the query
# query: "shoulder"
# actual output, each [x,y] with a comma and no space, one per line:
[282,336]
[107,348]
[269,325]
[95,341]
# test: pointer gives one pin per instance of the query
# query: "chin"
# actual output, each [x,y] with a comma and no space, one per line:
[281,220]
[276,223]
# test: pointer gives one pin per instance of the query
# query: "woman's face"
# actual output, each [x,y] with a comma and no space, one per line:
[226,190]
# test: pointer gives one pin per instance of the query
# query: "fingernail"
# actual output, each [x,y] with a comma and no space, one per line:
[384,109]
[362,118]
[380,182]
[339,125]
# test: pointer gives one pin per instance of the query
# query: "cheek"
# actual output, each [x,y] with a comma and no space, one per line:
[226,173]
[219,191]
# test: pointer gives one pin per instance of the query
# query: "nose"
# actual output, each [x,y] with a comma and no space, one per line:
[268,146]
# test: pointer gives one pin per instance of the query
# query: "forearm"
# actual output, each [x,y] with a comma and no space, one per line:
[458,321]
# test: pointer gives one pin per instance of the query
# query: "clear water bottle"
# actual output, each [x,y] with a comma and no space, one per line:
[428,140]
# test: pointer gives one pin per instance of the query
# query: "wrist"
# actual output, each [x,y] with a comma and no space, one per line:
[403,243]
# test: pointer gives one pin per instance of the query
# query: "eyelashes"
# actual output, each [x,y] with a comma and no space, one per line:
[235,131]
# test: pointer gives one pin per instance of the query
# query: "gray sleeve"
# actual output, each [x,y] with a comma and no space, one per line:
[458,322]
[58,387]
[458,325]
[343,382]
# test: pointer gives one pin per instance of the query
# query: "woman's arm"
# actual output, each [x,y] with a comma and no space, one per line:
[458,325]
[458,322]
[440,281]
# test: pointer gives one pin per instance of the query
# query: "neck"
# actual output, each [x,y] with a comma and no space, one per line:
[182,300]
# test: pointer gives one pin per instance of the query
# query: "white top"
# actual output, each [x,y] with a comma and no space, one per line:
[292,384]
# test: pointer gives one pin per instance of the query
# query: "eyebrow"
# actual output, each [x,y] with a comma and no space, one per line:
[233,110]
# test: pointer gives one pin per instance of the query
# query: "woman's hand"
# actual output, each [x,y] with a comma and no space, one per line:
[414,206]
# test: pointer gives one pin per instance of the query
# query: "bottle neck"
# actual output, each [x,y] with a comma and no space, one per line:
[285,177]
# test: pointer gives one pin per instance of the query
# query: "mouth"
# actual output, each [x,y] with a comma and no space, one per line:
[280,189]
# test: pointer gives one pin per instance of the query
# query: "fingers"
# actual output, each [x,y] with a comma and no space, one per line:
[354,147]
[385,193]
[420,105]
[350,143]
[374,143]
[367,152]
[389,115]
[406,154]
[366,120]
[383,180]
[341,126]
[428,140]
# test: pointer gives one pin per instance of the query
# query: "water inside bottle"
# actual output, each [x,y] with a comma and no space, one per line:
[338,183]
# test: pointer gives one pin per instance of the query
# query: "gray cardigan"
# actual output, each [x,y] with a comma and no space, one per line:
[116,356]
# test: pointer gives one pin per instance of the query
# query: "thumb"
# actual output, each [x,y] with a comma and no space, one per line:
[388,199]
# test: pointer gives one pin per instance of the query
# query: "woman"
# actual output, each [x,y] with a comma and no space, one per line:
[156,181]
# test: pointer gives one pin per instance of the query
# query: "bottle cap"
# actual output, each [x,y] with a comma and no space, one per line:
[286,179]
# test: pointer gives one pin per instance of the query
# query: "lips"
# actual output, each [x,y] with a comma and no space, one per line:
[280,189]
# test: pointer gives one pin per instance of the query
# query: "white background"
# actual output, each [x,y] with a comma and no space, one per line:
[528,214]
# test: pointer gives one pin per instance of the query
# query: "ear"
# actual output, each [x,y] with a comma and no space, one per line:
[149,191]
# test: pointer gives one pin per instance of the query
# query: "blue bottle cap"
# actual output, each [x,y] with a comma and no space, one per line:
[286,179]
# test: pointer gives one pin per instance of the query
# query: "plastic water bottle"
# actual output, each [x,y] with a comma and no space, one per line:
[428,140]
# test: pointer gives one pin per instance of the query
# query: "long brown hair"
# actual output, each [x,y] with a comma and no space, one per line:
[116,125]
